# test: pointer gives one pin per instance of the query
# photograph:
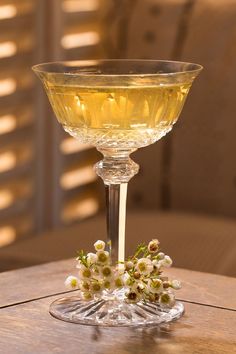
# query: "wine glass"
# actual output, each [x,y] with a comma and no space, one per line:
[118,106]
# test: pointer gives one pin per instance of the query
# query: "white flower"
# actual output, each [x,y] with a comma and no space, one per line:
[127,279]
[140,286]
[71,282]
[144,266]
[86,295]
[156,264]
[118,282]
[155,285]
[96,271]
[95,287]
[107,271]
[108,285]
[167,299]
[84,285]
[166,262]
[176,284]
[103,257]
[153,246]
[91,258]
[118,270]
[99,245]
[85,272]
[133,296]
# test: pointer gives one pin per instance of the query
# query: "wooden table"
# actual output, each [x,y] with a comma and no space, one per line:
[208,326]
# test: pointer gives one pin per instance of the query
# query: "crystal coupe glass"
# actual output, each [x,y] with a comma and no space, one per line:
[118,106]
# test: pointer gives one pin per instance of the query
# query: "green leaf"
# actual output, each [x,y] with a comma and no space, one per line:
[141,248]
[82,257]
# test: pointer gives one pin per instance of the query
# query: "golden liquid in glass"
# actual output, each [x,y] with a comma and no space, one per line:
[122,117]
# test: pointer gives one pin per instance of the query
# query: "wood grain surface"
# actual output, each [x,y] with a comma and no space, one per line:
[28,328]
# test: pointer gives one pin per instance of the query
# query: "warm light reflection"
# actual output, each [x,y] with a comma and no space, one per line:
[7,49]
[7,123]
[75,40]
[80,6]
[78,177]
[6,198]
[82,63]
[7,235]
[7,161]
[7,86]
[7,11]
[81,209]
[71,145]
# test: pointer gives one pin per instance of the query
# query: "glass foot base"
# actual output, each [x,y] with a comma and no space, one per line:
[113,312]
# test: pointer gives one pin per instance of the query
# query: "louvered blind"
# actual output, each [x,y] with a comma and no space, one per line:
[16,120]
[46,177]
[80,39]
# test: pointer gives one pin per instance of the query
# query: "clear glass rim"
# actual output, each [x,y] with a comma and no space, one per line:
[40,68]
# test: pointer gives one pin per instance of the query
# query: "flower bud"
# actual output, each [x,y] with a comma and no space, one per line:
[160,256]
[166,262]
[176,284]
[166,284]
[129,265]
[136,275]
[153,246]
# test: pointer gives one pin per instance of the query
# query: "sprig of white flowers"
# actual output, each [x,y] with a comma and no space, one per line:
[141,276]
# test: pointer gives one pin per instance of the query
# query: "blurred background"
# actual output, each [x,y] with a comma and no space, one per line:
[51,202]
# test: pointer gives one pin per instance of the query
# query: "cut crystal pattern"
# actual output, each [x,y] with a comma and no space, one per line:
[114,312]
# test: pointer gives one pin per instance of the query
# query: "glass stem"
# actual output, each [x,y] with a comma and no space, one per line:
[116,169]
[116,215]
